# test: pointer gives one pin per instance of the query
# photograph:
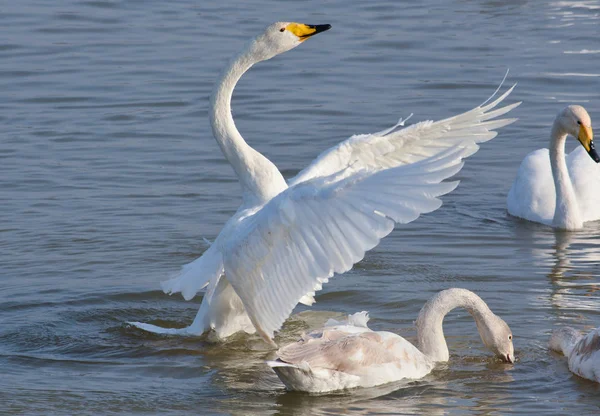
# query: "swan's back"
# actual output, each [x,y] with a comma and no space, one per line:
[532,195]
[584,359]
[347,356]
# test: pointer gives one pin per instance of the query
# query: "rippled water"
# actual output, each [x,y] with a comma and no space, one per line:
[110,177]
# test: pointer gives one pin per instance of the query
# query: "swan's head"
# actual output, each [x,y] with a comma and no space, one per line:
[497,336]
[577,122]
[563,339]
[281,37]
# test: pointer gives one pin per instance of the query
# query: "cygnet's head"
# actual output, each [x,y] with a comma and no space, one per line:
[577,122]
[563,339]
[497,337]
[281,37]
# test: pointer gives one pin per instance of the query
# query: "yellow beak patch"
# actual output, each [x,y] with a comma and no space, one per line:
[585,137]
[303,31]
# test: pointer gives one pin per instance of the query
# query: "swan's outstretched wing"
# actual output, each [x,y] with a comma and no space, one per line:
[396,147]
[300,238]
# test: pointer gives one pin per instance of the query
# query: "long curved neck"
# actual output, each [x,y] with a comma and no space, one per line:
[430,334]
[566,212]
[564,340]
[233,146]
[259,177]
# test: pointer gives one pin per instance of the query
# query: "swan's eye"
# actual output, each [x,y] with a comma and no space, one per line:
[578,122]
[282,29]
[510,337]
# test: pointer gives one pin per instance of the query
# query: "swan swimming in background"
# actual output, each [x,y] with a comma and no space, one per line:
[583,352]
[343,356]
[287,239]
[558,190]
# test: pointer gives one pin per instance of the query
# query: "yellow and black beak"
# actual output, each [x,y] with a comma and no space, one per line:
[586,138]
[306,31]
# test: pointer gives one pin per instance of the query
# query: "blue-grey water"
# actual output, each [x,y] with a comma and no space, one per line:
[110,178]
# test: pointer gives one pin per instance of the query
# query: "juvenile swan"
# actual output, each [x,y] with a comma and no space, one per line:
[351,355]
[583,352]
[287,239]
[556,190]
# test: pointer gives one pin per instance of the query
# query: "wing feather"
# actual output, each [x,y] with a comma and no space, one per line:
[196,275]
[300,238]
[350,352]
[400,146]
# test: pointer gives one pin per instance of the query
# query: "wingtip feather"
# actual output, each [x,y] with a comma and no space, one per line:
[277,363]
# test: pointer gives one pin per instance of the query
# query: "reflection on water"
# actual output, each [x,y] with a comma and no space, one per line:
[577,255]
[110,177]
[566,253]
[410,398]
[572,262]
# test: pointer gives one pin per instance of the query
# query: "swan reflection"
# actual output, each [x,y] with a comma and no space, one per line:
[569,260]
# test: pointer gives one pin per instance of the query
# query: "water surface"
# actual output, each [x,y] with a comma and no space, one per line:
[110,178]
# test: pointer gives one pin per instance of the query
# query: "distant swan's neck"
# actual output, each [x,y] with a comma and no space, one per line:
[430,335]
[564,340]
[259,177]
[566,212]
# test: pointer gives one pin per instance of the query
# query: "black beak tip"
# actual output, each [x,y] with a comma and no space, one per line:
[321,28]
[594,155]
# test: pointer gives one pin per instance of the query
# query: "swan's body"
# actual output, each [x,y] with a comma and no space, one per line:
[346,356]
[555,189]
[583,352]
[287,239]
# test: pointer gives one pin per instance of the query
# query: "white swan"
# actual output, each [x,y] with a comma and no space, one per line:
[556,190]
[583,352]
[286,240]
[351,355]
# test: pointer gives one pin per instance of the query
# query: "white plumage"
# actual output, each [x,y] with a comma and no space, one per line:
[287,240]
[344,356]
[557,189]
[582,352]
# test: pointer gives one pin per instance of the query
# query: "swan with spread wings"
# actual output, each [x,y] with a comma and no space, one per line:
[287,239]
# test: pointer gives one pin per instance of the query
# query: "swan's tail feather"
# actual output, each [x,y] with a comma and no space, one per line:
[196,275]
[359,319]
[221,312]
[164,331]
